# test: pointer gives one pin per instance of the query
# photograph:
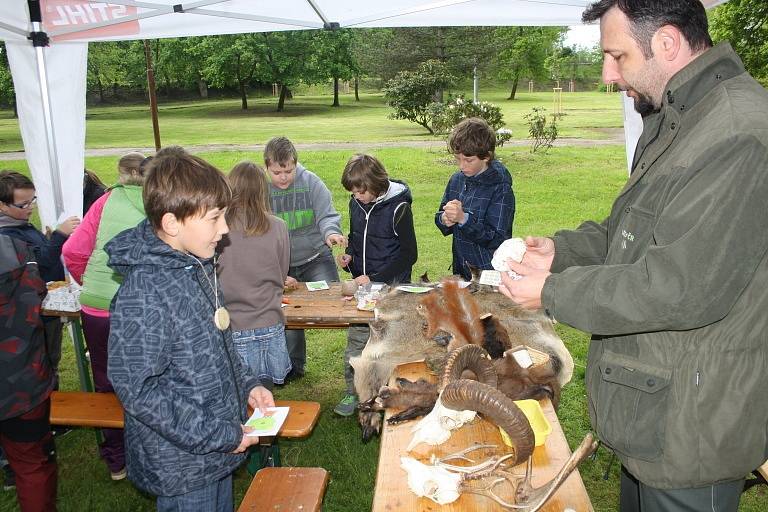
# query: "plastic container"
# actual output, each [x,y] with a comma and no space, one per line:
[539,424]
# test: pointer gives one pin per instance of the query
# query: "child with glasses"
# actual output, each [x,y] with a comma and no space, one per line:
[17,204]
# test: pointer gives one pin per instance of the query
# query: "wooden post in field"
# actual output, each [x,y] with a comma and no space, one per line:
[152,94]
[557,101]
[530,85]
[571,86]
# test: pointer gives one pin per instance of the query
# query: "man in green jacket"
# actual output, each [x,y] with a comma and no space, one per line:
[674,283]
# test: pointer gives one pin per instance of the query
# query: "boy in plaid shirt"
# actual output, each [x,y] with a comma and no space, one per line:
[478,205]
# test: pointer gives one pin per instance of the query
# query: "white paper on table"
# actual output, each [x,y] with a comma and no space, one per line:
[63,298]
[274,419]
[316,285]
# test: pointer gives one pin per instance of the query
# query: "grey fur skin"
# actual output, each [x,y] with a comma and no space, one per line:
[397,336]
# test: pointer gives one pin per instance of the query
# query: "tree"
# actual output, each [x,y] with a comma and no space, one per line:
[113,64]
[7,92]
[523,52]
[286,58]
[335,57]
[745,24]
[411,93]
[231,60]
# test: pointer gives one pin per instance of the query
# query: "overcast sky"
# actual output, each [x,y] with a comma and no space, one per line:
[583,35]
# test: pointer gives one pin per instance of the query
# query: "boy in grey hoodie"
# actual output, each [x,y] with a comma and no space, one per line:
[301,199]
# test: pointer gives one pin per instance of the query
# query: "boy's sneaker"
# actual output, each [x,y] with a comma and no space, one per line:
[347,406]
[9,483]
[118,475]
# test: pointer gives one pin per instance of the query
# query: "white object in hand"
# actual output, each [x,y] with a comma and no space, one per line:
[514,249]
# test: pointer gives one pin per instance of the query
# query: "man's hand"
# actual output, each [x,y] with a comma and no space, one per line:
[526,291]
[539,253]
[69,225]
[453,212]
[362,280]
[246,441]
[343,260]
[291,283]
[260,398]
[336,239]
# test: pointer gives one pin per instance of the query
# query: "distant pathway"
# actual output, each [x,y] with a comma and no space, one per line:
[616,137]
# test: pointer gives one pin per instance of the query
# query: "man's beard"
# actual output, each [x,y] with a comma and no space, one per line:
[644,105]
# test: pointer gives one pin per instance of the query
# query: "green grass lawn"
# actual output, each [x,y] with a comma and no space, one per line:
[555,190]
[309,119]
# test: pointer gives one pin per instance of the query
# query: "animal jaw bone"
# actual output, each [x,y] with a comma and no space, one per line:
[433,482]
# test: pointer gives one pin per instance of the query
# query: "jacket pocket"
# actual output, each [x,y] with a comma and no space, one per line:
[631,406]
[634,233]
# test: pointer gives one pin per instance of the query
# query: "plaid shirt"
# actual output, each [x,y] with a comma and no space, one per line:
[489,201]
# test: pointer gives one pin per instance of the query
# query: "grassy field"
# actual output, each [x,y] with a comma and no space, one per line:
[309,119]
[555,190]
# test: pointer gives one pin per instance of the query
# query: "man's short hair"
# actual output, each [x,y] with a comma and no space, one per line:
[366,174]
[184,185]
[647,16]
[473,137]
[280,150]
[10,181]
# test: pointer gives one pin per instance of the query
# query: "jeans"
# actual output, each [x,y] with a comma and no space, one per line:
[215,497]
[264,351]
[322,268]
[31,452]
[96,333]
[357,337]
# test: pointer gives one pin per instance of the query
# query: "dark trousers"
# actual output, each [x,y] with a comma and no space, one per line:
[357,337]
[322,268]
[96,332]
[637,497]
[53,330]
[30,450]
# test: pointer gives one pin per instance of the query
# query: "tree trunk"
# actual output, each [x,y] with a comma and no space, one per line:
[101,89]
[357,84]
[281,101]
[202,87]
[243,96]
[335,92]
[514,89]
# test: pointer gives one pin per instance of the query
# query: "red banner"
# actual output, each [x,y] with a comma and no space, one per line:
[68,14]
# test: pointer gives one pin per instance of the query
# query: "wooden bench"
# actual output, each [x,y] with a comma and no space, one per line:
[103,410]
[286,490]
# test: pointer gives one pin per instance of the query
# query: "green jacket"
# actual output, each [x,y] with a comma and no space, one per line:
[674,286]
[124,209]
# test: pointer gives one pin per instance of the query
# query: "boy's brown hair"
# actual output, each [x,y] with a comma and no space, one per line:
[184,185]
[366,174]
[10,181]
[473,137]
[280,150]
[250,199]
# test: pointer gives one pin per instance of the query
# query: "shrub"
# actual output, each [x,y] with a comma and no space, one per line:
[446,116]
[412,93]
[542,134]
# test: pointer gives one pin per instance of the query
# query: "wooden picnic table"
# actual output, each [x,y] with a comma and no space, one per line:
[392,493]
[321,309]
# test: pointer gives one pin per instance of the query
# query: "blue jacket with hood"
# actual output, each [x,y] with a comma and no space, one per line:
[489,201]
[181,383]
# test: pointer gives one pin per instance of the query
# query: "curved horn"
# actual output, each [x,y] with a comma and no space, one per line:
[471,395]
[470,357]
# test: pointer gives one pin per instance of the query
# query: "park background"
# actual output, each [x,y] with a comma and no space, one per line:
[224,97]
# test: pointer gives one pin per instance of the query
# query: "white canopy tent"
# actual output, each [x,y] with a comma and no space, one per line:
[47,50]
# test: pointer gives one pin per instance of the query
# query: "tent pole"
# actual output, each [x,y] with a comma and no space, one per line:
[152,94]
[40,41]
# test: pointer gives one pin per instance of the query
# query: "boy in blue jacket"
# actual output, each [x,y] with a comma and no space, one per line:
[172,363]
[478,205]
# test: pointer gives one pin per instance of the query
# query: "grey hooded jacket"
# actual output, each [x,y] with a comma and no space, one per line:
[674,286]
